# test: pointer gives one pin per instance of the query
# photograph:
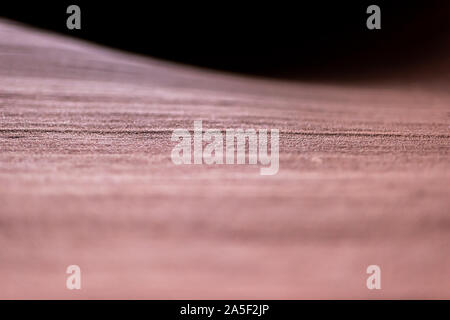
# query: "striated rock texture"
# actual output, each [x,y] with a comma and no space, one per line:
[86,178]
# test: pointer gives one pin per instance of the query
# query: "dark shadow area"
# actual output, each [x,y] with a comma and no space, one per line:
[310,40]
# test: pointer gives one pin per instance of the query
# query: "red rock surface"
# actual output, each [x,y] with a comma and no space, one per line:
[86,178]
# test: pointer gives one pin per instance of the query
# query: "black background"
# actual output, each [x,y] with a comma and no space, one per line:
[279,309]
[295,39]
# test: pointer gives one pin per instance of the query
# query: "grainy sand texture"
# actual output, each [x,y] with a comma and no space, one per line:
[86,178]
